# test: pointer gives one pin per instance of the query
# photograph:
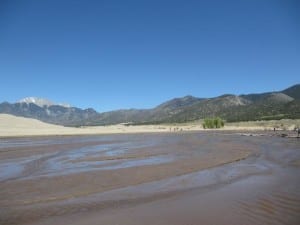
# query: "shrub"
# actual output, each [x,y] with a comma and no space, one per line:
[212,123]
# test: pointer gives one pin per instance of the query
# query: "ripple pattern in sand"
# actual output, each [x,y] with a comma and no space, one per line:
[276,208]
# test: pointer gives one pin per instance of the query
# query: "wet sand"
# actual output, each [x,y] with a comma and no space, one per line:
[167,178]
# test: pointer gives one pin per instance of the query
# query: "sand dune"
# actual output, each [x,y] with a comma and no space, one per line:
[19,126]
[12,126]
[15,126]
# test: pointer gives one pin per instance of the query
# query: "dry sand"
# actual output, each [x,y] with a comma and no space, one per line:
[12,126]
[159,179]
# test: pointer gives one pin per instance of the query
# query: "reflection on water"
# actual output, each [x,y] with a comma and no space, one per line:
[74,160]
[10,170]
[56,166]
[110,152]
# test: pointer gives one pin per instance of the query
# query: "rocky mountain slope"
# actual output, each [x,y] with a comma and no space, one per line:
[56,114]
[264,106]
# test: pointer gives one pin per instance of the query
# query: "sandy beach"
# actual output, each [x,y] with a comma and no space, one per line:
[154,178]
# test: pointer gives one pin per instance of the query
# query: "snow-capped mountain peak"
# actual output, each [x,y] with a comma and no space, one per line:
[40,102]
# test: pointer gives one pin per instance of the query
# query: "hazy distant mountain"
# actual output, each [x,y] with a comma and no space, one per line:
[264,106]
[47,112]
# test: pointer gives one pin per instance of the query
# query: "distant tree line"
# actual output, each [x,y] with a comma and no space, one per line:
[211,123]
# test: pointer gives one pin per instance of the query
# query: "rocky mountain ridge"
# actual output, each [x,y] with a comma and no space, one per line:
[264,106]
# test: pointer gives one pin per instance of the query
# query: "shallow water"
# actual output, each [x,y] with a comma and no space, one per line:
[59,161]
[159,178]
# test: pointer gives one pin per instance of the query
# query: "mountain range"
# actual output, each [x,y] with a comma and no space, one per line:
[263,106]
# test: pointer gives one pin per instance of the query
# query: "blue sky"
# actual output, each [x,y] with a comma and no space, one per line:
[111,54]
